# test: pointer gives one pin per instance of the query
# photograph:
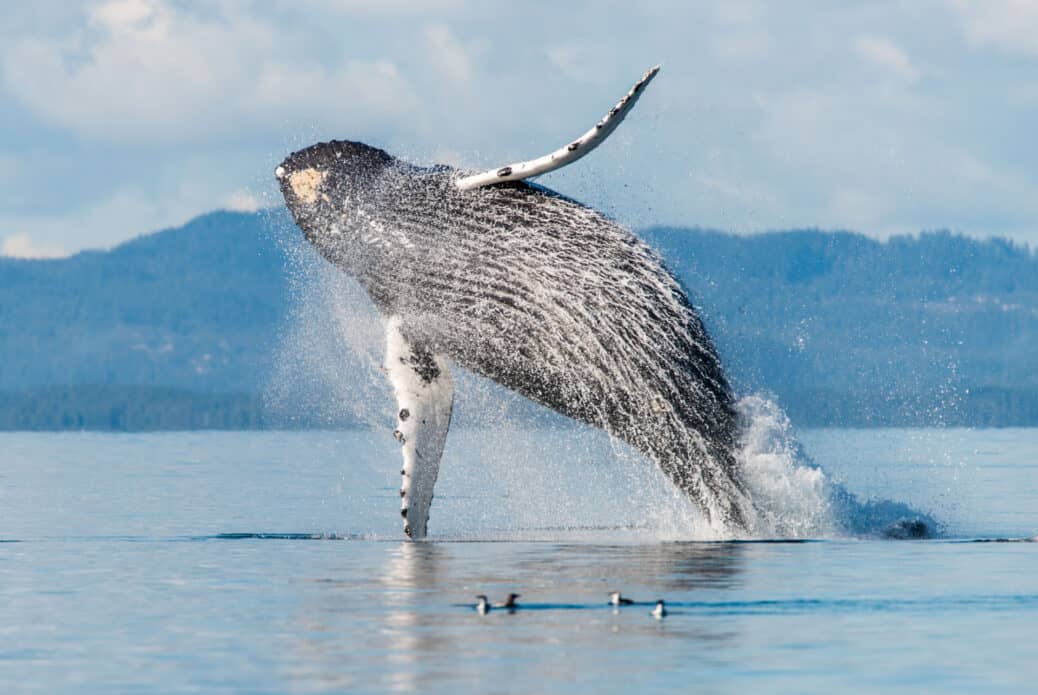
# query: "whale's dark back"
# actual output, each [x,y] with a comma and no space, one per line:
[551,299]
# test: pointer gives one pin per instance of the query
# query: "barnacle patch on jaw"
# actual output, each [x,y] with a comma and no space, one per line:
[305,183]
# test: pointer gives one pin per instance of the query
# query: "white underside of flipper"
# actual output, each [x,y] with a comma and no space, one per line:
[567,154]
[424,393]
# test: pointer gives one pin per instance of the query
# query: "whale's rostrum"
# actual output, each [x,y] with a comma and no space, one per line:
[533,290]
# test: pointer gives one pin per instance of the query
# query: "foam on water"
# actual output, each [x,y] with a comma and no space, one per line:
[796,499]
[793,499]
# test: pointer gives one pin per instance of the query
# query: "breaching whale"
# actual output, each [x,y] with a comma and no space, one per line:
[531,289]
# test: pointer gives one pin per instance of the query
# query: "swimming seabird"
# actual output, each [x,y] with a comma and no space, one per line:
[508,603]
[482,607]
[617,600]
[659,611]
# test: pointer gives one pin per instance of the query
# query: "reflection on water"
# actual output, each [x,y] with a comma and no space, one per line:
[272,563]
[681,566]
[409,608]
[411,570]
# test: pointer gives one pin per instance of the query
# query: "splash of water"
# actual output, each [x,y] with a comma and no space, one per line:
[796,499]
[793,499]
[327,370]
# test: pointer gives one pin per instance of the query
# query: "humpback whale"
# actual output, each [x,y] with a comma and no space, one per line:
[531,289]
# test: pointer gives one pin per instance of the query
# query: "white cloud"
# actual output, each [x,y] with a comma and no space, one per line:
[355,95]
[570,59]
[883,53]
[125,213]
[23,246]
[865,163]
[741,44]
[8,165]
[447,55]
[1025,95]
[124,16]
[243,201]
[152,72]
[754,202]
[1011,25]
[202,99]
[858,209]
[735,12]
[408,8]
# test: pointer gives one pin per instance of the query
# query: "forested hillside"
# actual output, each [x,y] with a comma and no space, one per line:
[195,308]
[179,328]
[845,329]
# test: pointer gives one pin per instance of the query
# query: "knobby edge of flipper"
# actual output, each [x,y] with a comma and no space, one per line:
[424,391]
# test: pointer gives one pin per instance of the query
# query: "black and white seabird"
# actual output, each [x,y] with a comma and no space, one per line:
[482,607]
[616,599]
[508,603]
[659,611]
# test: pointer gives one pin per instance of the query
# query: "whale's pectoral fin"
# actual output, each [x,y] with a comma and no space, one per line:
[567,154]
[425,396]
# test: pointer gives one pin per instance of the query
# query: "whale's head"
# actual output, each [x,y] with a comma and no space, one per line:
[339,170]
[328,185]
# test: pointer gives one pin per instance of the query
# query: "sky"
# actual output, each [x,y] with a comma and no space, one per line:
[122,117]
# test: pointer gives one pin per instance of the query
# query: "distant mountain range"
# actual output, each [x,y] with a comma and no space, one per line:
[845,330]
[180,329]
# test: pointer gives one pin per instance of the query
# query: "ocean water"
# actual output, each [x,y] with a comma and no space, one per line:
[274,562]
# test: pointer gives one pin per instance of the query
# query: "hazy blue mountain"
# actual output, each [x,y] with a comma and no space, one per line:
[843,328]
[196,308]
[179,328]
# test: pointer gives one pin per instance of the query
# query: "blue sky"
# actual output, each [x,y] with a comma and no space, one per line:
[122,117]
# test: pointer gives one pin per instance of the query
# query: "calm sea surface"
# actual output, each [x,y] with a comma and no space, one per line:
[273,562]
